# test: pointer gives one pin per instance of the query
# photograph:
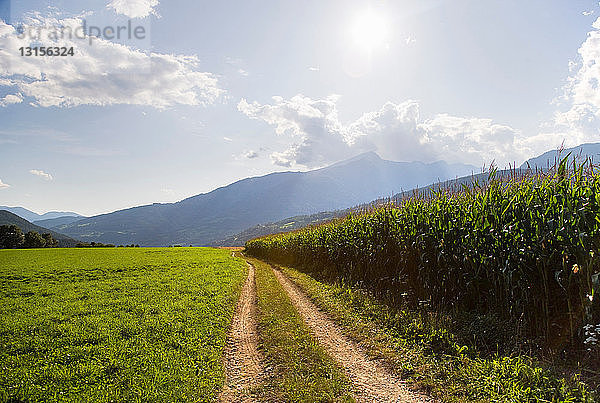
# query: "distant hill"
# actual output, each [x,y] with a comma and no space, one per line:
[289,224]
[544,161]
[297,222]
[54,223]
[31,216]
[8,218]
[550,158]
[209,217]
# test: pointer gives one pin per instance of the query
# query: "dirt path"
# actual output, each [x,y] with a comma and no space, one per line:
[371,381]
[243,361]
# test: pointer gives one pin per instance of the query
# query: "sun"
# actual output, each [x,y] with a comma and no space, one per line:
[369,30]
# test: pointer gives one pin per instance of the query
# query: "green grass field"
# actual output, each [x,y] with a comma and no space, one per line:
[115,324]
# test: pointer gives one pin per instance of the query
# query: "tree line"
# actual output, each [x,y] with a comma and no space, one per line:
[11,237]
[103,245]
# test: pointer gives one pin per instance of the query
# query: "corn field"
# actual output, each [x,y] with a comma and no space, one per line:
[524,247]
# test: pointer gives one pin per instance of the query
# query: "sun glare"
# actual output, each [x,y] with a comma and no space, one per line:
[370,30]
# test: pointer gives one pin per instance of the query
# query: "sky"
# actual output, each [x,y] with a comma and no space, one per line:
[213,92]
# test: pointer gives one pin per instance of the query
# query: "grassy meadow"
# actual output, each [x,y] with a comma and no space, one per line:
[125,324]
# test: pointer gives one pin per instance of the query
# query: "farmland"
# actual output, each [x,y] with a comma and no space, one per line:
[513,260]
[483,293]
[525,249]
[115,324]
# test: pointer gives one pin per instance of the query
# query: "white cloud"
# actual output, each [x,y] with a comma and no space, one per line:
[396,131]
[316,136]
[243,73]
[3,185]
[41,174]
[251,154]
[11,99]
[578,118]
[100,73]
[312,68]
[586,13]
[134,8]
[470,139]
[313,126]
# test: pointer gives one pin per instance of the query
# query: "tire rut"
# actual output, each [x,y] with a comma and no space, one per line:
[243,360]
[371,381]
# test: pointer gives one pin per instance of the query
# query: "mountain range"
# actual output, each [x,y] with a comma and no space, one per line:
[58,221]
[209,217]
[34,217]
[545,161]
[579,153]
[276,202]
[301,221]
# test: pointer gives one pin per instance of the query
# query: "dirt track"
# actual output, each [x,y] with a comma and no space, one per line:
[243,361]
[371,381]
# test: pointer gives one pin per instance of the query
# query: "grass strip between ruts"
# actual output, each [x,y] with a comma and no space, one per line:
[300,369]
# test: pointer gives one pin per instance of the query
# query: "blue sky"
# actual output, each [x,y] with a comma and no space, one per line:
[219,91]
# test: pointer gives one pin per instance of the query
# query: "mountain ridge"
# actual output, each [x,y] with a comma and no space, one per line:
[578,153]
[543,161]
[207,217]
[32,216]
[301,221]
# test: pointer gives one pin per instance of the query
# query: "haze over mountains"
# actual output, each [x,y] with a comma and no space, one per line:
[205,218]
[580,153]
[33,217]
[58,221]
